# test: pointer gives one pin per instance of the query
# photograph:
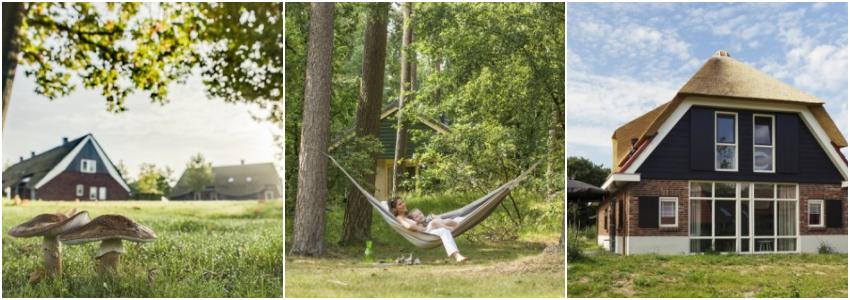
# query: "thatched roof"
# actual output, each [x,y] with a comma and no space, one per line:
[38,166]
[721,76]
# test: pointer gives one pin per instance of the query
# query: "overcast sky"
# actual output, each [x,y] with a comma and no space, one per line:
[166,135]
[625,59]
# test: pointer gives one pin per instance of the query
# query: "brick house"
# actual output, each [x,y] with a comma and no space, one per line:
[76,169]
[737,161]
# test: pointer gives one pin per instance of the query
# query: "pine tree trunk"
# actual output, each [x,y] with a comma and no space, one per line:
[12,17]
[356,225]
[404,95]
[309,228]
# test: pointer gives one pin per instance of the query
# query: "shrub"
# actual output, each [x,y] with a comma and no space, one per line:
[825,249]
[573,247]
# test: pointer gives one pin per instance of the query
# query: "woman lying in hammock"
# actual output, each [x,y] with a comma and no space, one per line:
[416,221]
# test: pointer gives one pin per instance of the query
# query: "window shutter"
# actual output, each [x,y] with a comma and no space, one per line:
[787,143]
[648,212]
[702,139]
[833,212]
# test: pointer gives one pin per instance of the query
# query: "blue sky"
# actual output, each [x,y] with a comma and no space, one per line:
[623,59]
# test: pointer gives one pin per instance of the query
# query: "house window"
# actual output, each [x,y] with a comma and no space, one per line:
[763,143]
[249,179]
[229,179]
[815,213]
[725,141]
[93,193]
[88,166]
[667,215]
[81,190]
[102,193]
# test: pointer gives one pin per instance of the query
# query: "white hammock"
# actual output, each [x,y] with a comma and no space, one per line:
[467,216]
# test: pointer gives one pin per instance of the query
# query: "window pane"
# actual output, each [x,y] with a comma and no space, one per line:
[700,217]
[668,212]
[698,246]
[786,244]
[724,190]
[701,189]
[745,245]
[814,219]
[724,218]
[763,245]
[763,191]
[763,215]
[786,191]
[763,131]
[786,218]
[745,218]
[725,157]
[724,245]
[763,159]
[745,190]
[726,128]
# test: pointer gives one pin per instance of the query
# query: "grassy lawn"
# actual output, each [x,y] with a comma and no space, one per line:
[497,268]
[764,275]
[204,249]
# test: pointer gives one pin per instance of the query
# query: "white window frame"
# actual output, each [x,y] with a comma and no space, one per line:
[101,193]
[716,144]
[675,201]
[88,166]
[819,202]
[92,193]
[772,145]
[81,190]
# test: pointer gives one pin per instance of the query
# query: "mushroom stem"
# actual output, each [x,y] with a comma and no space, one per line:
[109,256]
[52,255]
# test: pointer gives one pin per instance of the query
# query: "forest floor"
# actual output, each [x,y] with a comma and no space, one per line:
[529,265]
[600,274]
[203,249]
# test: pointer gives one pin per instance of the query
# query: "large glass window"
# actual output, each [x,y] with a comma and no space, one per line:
[763,215]
[763,148]
[726,142]
[700,217]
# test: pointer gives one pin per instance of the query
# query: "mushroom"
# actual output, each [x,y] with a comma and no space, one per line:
[50,226]
[110,230]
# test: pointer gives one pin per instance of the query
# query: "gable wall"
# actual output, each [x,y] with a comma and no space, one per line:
[87,152]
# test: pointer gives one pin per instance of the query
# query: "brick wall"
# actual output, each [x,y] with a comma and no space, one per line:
[658,188]
[821,192]
[64,187]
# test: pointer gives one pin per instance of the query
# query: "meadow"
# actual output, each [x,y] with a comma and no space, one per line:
[503,262]
[203,249]
[600,274]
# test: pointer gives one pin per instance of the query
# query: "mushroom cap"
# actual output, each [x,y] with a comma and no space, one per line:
[49,225]
[108,227]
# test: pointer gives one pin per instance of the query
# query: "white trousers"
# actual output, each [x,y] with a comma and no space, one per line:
[446,236]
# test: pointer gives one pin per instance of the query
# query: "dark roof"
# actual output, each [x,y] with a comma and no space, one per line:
[262,176]
[38,166]
[579,190]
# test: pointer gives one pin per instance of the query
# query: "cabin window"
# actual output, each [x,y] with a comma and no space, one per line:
[102,193]
[88,166]
[725,141]
[668,207]
[815,213]
[81,190]
[249,179]
[763,143]
[93,193]
[229,179]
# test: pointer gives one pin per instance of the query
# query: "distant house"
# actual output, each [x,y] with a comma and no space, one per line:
[235,182]
[387,136]
[77,169]
[736,162]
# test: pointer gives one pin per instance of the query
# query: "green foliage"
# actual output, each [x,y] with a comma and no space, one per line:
[152,182]
[582,169]
[825,249]
[198,174]
[574,249]
[203,249]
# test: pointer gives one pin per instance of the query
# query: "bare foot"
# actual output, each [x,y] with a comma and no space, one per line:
[459,258]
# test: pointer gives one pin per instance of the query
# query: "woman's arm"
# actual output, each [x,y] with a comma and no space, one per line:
[408,226]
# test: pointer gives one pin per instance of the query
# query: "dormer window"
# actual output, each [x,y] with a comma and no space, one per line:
[725,141]
[763,143]
[88,166]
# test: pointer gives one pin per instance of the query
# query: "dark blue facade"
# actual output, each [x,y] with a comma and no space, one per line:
[87,152]
[687,152]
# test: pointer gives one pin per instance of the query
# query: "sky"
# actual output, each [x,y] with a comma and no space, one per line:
[167,135]
[624,59]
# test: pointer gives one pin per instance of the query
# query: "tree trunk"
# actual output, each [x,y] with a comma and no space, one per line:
[309,228]
[12,17]
[404,95]
[356,225]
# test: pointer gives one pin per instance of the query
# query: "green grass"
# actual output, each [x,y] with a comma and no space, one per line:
[204,249]
[764,275]
[503,262]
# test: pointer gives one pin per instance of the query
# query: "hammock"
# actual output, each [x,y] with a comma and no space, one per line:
[467,216]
